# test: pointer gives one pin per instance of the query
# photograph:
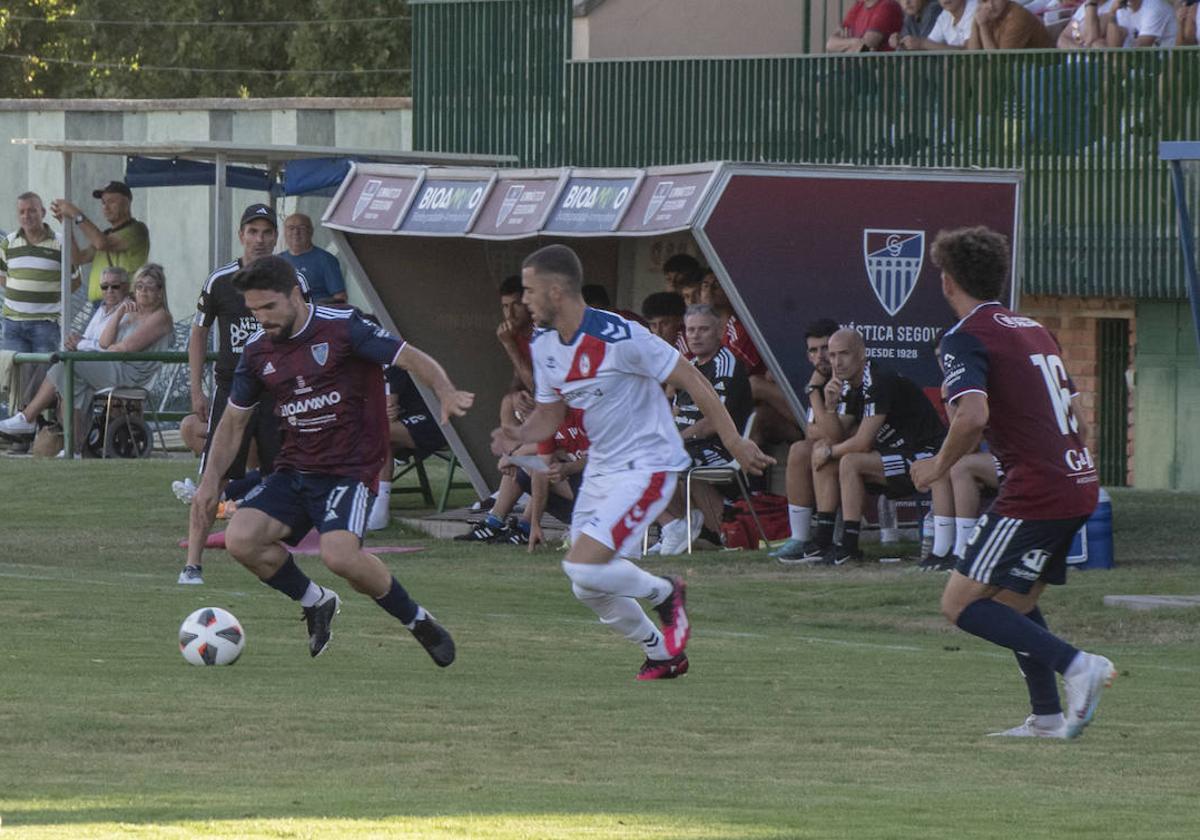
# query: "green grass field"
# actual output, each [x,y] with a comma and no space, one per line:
[821,703]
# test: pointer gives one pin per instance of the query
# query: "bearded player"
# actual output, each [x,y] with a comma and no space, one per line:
[1005,379]
[321,366]
[613,371]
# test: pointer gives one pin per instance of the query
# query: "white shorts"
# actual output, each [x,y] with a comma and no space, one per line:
[616,509]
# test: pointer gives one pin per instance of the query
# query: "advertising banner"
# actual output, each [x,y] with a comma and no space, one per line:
[445,206]
[371,202]
[592,204]
[854,249]
[666,202]
[517,206]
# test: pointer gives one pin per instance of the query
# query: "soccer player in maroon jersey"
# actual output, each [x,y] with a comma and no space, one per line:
[1005,379]
[322,367]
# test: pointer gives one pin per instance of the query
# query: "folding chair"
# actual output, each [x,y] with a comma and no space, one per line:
[723,474]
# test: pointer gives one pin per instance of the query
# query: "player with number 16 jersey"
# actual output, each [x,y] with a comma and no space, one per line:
[1015,362]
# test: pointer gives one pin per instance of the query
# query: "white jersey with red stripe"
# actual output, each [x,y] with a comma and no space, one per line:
[612,370]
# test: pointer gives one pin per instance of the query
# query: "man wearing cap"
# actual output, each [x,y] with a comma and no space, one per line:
[125,242]
[316,265]
[220,303]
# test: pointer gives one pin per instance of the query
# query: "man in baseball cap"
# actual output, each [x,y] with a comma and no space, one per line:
[123,242]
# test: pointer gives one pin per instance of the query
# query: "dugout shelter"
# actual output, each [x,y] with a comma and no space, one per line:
[789,243]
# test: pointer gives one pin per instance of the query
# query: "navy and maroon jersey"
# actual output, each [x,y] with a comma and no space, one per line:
[1014,361]
[328,389]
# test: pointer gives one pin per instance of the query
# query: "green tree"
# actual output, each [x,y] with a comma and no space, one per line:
[81,48]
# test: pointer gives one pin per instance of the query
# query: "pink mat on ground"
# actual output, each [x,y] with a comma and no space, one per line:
[311,544]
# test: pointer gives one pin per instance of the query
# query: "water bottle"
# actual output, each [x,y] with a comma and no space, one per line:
[888,532]
[1099,535]
[926,536]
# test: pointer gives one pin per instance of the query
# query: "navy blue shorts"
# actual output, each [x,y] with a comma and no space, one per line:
[1016,553]
[310,500]
[426,433]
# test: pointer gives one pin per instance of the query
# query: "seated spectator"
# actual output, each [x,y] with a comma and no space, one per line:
[728,377]
[919,19]
[663,312]
[114,285]
[317,268]
[774,421]
[895,425]
[799,481]
[951,31]
[141,324]
[1088,25]
[690,286]
[1146,23]
[514,334]
[1005,25]
[1187,16]
[868,26]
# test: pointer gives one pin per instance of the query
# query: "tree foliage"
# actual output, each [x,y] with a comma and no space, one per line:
[48,50]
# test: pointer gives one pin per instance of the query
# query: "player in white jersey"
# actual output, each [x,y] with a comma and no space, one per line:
[613,371]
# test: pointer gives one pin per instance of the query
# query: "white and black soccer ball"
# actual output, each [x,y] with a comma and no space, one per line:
[211,636]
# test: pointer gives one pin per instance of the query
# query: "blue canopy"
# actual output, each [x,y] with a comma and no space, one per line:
[177,172]
[303,176]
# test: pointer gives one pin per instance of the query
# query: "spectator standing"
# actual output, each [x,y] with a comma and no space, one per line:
[221,304]
[868,26]
[318,268]
[1005,25]
[31,273]
[951,31]
[125,242]
[919,19]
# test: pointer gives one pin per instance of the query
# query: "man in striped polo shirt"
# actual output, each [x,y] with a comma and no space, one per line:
[30,271]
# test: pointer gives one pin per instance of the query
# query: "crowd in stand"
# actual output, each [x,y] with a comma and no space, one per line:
[886,25]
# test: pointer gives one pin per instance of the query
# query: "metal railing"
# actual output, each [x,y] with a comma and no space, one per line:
[68,358]
[1083,125]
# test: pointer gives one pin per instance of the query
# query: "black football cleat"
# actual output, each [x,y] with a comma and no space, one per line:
[435,639]
[319,617]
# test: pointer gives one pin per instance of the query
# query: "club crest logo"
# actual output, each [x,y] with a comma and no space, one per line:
[511,196]
[656,200]
[320,353]
[364,198]
[893,260]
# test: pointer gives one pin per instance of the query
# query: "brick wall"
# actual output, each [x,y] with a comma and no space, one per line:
[1074,321]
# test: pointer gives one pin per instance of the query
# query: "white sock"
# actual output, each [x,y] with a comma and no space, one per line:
[800,518]
[1049,721]
[379,508]
[943,535]
[312,595]
[962,532]
[625,616]
[619,577]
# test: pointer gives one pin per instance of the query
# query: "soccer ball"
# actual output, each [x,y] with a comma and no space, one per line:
[211,636]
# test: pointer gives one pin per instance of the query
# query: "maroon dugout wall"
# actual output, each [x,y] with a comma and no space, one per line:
[789,243]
